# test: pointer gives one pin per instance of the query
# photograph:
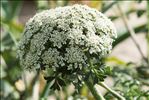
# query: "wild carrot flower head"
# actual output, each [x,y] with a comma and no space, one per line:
[65,38]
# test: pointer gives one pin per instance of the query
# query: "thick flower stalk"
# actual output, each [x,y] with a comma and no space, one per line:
[62,41]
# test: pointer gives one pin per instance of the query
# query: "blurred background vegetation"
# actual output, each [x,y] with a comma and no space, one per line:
[129,59]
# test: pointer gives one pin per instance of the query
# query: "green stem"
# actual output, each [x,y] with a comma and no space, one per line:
[95,93]
[131,31]
[106,8]
[93,90]
[46,89]
[148,30]
[111,91]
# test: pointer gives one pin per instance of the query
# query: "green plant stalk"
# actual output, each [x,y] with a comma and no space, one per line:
[104,86]
[148,31]
[111,91]
[131,31]
[125,35]
[106,8]
[46,89]
[93,90]
[91,87]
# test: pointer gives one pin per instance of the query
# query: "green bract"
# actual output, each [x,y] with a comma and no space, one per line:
[64,39]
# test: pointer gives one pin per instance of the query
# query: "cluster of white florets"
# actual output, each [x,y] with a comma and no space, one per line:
[65,37]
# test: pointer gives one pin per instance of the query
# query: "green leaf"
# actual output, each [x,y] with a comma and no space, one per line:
[115,60]
[6,42]
[140,13]
[122,36]
[10,58]
[143,71]
[10,9]
[61,82]
[13,27]
[107,7]
[49,79]
[128,13]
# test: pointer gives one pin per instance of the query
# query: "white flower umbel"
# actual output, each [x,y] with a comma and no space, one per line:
[65,37]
